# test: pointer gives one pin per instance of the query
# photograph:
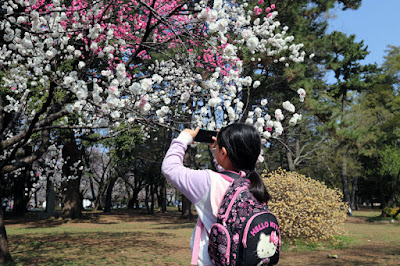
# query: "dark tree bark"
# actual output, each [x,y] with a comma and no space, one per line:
[152,197]
[136,187]
[36,199]
[50,197]
[186,208]
[98,204]
[92,189]
[22,186]
[131,203]
[134,200]
[353,193]
[20,200]
[163,197]
[346,192]
[5,256]
[72,198]
[146,199]
[110,187]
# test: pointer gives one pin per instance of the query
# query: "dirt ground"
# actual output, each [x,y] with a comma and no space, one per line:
[357,255]
[367,249]
[167,241]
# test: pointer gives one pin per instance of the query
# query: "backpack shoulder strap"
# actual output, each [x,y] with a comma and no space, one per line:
[235,189]
[196,242]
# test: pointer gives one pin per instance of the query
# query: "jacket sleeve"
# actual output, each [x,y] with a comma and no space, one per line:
[192,183]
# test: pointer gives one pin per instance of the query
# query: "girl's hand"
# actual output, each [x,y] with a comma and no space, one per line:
[214,145]
[192,132]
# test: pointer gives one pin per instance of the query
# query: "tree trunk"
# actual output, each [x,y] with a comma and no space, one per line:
[152,198]
[297,152]
[134,200]
[131,203]
[296,155]
[186,208]
[98,202]
[72,198]
[135,192]
[345,184]
[110,187]
[92,189]
[346,192]
[353,193]
[36,199]
[20,200]
[163,197]
[22,186]
[50,197]
[5,256]
[146,199]
[290,161]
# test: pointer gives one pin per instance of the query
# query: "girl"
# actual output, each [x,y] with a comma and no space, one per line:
[236,148]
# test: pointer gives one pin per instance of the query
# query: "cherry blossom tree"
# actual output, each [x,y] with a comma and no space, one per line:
[99,59]
[87,65]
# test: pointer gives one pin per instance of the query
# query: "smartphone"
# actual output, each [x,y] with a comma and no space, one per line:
[205,135]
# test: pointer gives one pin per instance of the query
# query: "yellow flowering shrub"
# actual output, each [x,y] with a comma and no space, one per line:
[305,208]
[390,212]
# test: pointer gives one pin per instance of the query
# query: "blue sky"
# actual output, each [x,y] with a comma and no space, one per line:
[377,22]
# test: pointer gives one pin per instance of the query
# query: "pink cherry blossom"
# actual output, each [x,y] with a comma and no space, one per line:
[257,10]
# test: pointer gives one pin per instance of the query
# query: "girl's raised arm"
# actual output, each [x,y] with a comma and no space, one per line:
[192,183]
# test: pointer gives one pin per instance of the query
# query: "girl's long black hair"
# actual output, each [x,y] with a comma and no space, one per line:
[243,145]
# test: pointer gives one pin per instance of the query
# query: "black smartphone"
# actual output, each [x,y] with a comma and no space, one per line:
[205,135]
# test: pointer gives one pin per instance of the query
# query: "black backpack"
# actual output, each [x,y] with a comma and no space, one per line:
[246,232]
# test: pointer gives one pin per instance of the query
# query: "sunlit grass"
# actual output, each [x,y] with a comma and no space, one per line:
[127,238]
[367,214]
[357,233]
[301,245]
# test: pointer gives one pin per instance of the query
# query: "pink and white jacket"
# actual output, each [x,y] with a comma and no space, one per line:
[204,188]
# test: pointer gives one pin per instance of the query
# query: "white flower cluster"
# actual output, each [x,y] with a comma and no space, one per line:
[62,45]
[262,35]
[302,94]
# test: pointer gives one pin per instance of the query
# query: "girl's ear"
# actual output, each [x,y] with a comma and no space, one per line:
[224,152]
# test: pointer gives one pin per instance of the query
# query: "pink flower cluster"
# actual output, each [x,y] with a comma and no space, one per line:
[258,10]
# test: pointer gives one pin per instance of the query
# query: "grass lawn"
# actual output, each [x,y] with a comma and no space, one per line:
[131,238]
[122,238]
[366,243]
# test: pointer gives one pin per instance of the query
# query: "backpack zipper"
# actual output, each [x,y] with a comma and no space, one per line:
[228,245]
[246,229]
